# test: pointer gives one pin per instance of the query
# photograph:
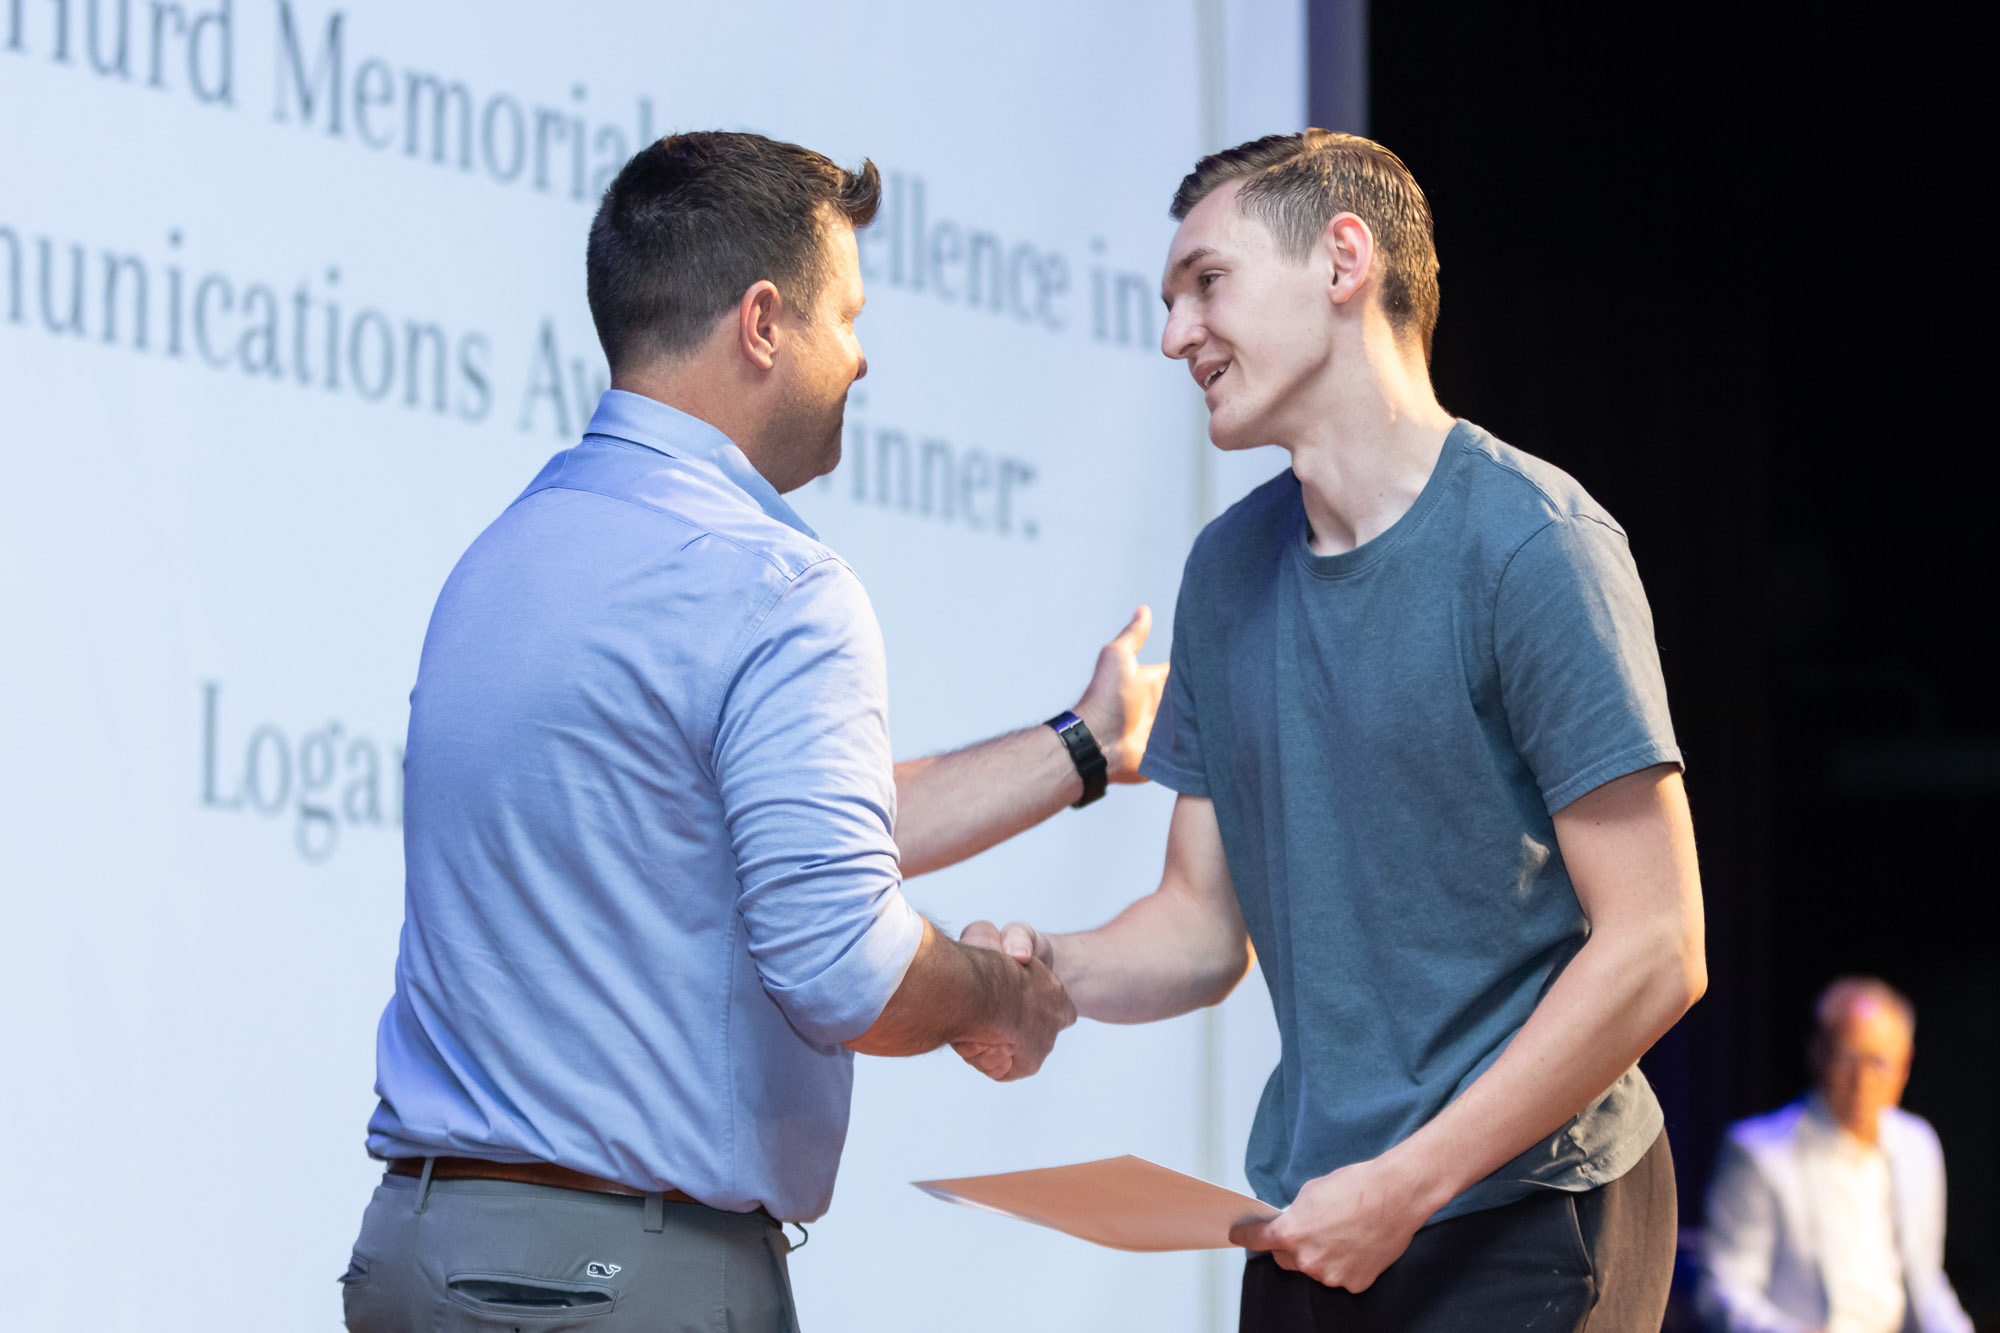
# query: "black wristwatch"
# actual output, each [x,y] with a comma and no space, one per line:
[1083,752]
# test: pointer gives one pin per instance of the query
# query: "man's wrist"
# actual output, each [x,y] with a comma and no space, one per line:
[995,1001]
[1092,765]
[1417,1174]
[1099,724]
[1052,955]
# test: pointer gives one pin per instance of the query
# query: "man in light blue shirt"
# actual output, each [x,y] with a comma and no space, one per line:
[652,826]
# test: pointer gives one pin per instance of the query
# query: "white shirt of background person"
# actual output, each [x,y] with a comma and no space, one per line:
[1861,1263]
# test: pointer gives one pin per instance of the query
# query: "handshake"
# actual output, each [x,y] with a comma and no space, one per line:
[994,998]
[1014,1043]
[1000,997]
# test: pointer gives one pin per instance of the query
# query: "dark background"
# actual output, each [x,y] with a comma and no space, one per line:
[1722,264]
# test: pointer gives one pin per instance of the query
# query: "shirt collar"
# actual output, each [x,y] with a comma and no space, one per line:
[651,424]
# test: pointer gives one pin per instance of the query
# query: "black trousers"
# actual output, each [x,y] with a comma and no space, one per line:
[1601,1260]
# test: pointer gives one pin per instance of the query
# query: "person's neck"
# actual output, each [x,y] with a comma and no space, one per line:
[717,394]
[1364,449]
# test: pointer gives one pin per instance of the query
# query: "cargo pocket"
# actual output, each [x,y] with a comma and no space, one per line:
[515,1300]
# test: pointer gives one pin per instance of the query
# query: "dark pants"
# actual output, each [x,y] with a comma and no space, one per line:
[1601,1260]
[490,1256]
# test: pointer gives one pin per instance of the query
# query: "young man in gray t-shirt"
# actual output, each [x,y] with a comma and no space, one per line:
[1425,765]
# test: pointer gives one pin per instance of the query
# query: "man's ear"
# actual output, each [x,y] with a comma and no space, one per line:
[1349,248]
[757,315]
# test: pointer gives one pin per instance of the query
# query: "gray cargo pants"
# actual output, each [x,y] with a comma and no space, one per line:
[499,1257]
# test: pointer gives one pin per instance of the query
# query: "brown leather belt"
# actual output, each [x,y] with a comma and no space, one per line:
[526,1173]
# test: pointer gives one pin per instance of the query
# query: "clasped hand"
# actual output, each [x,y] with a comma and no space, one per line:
[1344,1228]
[1047,1002]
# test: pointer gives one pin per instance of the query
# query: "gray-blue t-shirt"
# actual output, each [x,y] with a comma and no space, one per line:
[1386,734]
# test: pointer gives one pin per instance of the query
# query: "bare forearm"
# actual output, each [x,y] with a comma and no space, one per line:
[1629,849]
[952,806]
[949,991]
[1617,997]
[1178,948]
[1163,956]
[1002,1014]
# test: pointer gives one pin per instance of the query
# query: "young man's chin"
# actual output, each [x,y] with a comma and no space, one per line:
[1231,438]
[1232,428]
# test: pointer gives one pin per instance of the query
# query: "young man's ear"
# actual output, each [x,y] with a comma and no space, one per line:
[1349,248]
[757,323]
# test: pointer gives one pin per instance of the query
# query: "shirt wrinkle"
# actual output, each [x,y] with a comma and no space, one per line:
[726,680]
[1304,700]
[568,813]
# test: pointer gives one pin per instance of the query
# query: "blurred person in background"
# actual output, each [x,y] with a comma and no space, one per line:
[1827,1215]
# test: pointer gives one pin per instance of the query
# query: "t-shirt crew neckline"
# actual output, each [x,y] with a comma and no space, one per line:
[1349,563]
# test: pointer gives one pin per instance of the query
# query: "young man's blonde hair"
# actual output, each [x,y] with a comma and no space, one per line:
[1295,183]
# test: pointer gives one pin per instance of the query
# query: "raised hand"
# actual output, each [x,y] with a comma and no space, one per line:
[1123,695]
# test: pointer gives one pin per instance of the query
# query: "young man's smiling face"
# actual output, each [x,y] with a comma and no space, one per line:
[1255,328]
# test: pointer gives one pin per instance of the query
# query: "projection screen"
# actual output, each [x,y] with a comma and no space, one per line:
[291,306]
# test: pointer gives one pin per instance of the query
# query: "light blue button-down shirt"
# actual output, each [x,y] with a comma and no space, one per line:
[651,880]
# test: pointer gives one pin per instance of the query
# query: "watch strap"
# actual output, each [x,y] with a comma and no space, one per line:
[1083,752]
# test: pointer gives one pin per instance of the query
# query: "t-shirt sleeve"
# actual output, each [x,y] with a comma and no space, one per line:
[802,761]
[1579,670]
[1173,751]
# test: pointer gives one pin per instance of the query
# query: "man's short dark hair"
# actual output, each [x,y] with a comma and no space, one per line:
[1295,183]
[694,219]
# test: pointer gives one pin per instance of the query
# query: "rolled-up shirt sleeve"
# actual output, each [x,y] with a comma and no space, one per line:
[802,762]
